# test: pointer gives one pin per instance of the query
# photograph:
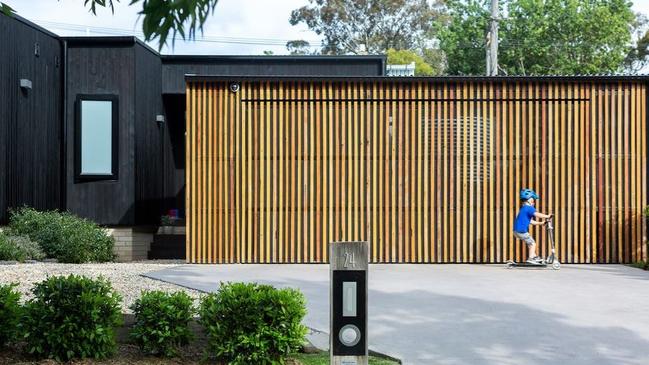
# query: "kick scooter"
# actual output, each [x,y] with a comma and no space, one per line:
[551,260]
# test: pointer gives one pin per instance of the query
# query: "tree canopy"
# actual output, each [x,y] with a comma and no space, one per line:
[369,26]
[540,37]
[405,57]
[442,36]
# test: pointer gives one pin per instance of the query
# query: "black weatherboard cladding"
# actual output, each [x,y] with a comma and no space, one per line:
[149,134]
[103,70]
[174,68]
[30,120]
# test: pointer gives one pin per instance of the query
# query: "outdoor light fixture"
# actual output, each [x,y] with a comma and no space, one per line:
[25,84]
[160,118]
[234,87]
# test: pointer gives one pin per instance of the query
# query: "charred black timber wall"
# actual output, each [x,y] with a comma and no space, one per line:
[132,72]
[149,134]
[174,68]
[30,119]
[103,70]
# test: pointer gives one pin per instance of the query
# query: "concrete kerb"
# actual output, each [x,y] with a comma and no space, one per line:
[316,339]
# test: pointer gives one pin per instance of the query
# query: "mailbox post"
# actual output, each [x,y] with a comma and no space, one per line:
[348,303]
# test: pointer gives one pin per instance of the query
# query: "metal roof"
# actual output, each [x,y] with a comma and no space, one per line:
[207,58]
[460,78]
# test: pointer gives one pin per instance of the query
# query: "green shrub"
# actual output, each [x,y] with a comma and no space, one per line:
[71,317]
[63,236]
[10,310]
[162,322]
[252,323]
[19,248]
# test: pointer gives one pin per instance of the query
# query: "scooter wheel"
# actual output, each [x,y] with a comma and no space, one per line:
[556,265]
[510,264]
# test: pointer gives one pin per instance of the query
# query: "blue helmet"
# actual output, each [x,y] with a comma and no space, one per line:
[528,193]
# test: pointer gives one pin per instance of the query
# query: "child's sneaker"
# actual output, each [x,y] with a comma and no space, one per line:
[534,260]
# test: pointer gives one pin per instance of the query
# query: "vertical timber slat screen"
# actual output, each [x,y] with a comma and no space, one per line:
[426,171]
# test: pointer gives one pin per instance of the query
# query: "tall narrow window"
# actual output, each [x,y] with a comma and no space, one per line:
[96,137]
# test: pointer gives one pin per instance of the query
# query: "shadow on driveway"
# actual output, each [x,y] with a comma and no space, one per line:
[472,314]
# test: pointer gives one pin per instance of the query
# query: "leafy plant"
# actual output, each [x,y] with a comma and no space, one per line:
[356,27]
[63,236]
[539,37]
[162,322]
[19,248]
[403,57]
[10,310]
[72,317]
[252,323]
[166,220]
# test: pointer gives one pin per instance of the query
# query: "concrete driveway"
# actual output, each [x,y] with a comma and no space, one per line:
[475,314]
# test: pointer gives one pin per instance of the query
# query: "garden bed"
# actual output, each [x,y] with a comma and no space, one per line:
[125,277]
[193,355]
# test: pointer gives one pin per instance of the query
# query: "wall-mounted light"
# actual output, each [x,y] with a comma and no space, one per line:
[160,119]
[25,84]
[37,49]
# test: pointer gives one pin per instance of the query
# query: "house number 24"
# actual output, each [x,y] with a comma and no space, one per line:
[349,260]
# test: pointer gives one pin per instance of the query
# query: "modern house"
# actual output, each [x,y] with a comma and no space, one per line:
[271,157]
[96,125]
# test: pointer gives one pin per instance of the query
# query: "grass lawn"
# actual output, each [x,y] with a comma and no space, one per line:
[641,265]
[323,359]
[130,355]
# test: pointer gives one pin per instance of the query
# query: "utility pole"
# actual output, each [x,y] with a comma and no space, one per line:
[492,41]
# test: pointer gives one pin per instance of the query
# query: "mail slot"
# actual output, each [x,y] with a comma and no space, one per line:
[348,303]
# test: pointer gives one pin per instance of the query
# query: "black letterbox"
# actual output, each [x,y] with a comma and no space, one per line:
[349,335]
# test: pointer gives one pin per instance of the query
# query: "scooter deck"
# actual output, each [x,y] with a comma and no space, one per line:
[556,265]
[525,264]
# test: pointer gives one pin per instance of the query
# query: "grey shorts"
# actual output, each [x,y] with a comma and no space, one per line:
[525,237]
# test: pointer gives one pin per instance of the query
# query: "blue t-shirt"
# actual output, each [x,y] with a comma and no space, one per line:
[523,218]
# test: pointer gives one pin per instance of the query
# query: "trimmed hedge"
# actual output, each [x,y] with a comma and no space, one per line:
[63,236]
[10,311]
[19,248]
[253,323]
[72,317]
[162,322]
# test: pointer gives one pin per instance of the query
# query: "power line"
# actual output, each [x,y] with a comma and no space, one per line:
[205,39]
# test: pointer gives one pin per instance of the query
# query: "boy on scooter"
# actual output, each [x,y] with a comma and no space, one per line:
[524,219]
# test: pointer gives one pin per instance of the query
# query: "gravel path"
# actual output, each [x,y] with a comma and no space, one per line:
[125,277]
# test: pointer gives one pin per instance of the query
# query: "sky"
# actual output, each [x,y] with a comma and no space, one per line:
[237,27]
[264,22]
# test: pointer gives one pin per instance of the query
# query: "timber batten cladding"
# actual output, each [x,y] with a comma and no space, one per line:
[426,170]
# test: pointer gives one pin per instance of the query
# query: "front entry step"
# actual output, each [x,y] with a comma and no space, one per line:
[167,246]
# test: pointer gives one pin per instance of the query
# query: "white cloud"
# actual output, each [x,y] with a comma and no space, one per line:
[232,18]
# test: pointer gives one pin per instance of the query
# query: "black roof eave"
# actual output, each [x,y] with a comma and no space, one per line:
[195,77]
[116,41]
[218,58]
